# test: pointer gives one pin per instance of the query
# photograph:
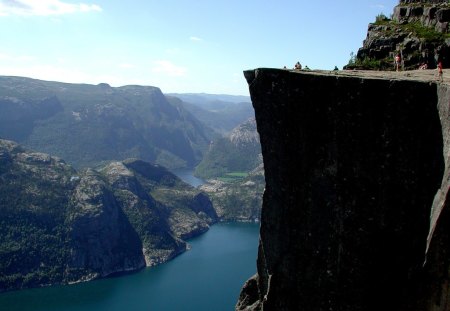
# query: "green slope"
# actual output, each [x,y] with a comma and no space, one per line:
[91,124]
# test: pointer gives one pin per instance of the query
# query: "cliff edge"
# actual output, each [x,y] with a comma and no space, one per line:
[355,211]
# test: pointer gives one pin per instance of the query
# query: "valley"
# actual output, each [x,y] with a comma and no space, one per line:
[112,207]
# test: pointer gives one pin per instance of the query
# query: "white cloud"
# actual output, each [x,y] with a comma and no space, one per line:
[168,68]
[43,7]
[197,39]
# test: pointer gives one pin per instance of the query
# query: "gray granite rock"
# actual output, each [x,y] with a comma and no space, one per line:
[353,165]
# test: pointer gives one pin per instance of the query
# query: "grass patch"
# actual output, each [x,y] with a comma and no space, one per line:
[237,174]
[425,33]
[233,177]
[381,19]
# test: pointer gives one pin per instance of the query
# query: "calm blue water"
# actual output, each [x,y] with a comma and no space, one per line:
[186,175]
[208,277]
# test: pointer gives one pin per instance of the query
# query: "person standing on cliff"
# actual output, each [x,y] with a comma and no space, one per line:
[398,60]
[440,72]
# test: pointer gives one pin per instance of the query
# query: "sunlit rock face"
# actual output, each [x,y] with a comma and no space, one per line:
[354,168]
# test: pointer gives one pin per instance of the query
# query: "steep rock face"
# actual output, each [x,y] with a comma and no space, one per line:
[102,240]
[418,31]
[186,210]
[352,166]
[145,214]
[61,226]
[245,134]
[431,13]
[437,271]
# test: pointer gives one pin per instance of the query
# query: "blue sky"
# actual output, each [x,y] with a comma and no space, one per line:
[184,46]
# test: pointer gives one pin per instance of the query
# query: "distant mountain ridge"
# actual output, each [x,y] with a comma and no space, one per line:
[219,112]
[91,124]
[205,99]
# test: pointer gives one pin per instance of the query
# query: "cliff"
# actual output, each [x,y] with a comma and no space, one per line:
[418,30]
[59,225]
[356,165]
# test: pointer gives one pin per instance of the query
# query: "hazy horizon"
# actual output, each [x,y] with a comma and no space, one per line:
[178,46]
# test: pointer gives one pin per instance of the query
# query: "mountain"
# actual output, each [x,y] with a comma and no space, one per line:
[418,31]
[239,198]
[92,124]
[219,112]
[59,225]
[211,101]
[235,174]
[239,151]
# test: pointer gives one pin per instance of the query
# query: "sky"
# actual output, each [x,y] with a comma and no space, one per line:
[180,46]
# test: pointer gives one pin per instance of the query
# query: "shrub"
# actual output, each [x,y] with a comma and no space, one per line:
[381,19]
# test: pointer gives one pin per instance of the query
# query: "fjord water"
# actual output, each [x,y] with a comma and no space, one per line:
[207,277]
[187,175]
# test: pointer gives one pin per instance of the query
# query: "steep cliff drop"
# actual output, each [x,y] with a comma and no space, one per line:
[355,164]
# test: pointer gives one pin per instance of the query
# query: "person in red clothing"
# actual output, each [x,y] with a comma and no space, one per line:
[440,73]
[398,60]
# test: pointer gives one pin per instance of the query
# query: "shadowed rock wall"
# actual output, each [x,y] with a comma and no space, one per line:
[352,166]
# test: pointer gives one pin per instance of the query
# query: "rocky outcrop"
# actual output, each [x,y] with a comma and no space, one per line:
[61,226]
[423,1]
[245,134]
[353,165]
[418,31]
[146,215]
[102,240]
[187,211]
[240,200]
[432,14]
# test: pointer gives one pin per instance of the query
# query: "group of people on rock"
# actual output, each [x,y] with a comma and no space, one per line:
[299,66]
[423,65]
[398,65]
